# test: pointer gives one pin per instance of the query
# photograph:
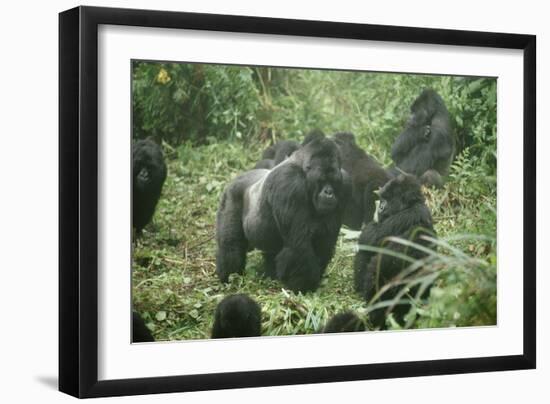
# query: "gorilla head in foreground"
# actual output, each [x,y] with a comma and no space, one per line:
[346,321]
[426,146]
[237,316]
[292,213]
[148,175]
[277,153]
[140,332]
[402,213]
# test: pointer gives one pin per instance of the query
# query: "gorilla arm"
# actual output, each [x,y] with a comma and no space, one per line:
[404,143]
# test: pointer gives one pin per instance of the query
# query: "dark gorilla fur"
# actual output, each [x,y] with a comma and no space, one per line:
[140,332]
[346,321]
[367,176]
[292,213]
[404,214]
[237,316]
[149,173]
[277,153]
[426,146]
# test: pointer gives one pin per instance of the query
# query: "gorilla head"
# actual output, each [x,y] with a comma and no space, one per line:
[399,194]
[346,321]
[237,316]
[321,164]
[283,150]
[149,174]
[277,153]
[140,332]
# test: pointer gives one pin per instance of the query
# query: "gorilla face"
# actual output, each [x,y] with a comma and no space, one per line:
[418,126]
[142,178]
[321,166]
[399,194]
[148,165]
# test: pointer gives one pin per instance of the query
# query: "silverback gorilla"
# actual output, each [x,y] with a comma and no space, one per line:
[367,176]
[402,213]
[292,213]
[149,173]
[426,146]
[237,316]
[277,153]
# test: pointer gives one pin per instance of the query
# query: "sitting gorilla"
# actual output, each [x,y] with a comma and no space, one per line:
[367,176]
[402,213]
[148,173]
[292,213]
[140,332]
[426,147]
[346,321]
[237,316]
[276,153]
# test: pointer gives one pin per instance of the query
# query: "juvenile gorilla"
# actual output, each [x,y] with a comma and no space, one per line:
[237,316]
[426,147]
[149,173]
[402,213]
[346,321]
[277,153]
[140,332]
[292,213]
[367,176]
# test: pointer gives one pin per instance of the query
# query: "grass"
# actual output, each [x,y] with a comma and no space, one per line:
[176,290]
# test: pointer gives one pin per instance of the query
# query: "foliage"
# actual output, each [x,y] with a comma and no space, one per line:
[215,121]
[174,101]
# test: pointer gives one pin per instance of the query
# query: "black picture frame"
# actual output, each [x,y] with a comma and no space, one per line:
[78,200]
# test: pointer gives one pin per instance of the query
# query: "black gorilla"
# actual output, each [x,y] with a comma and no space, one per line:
[140,332]
[148,173]
[346,321]
[277,153]
[426,147]
[292,213]
[237,316]
[367,176]
[402,213]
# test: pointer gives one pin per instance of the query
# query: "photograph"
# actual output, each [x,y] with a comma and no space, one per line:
[274,201]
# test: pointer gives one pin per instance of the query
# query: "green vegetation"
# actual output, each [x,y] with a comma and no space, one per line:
[215,121]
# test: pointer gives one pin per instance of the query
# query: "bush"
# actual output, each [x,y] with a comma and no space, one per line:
[207,103]
[176,102]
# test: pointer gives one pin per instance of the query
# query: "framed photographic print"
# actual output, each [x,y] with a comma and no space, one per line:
[250,201]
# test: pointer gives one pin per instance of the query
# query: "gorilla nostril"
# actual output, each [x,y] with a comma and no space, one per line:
[328,192]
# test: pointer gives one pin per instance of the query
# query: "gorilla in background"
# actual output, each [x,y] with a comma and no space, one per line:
[367,176]
[277,153]
[346,321]
[237,316]
[402,213]
[148,174]
[292,213]
[140,332]
[426,146]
